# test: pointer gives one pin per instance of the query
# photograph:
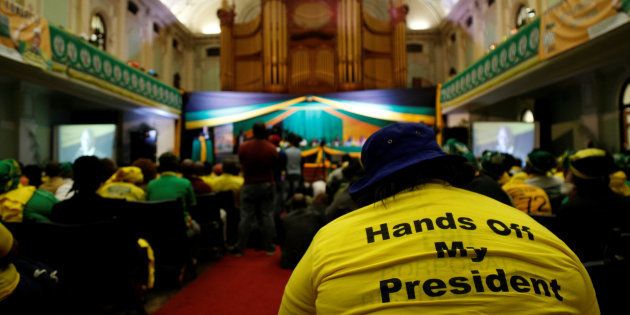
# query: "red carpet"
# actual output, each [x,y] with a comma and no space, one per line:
[252,284]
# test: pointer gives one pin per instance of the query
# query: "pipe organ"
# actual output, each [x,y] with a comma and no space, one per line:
[313,46]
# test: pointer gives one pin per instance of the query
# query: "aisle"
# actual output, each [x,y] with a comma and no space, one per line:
[252,284]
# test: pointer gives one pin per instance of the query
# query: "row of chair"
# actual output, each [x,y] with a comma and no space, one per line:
[101,263]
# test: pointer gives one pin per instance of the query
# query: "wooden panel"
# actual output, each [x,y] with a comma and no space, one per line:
[249,76]
[325,66]
[300,68]
[248,46]
[247,29]
[377,43]
[375,25]
[377,73]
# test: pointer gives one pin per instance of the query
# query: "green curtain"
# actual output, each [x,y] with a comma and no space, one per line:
[314,124]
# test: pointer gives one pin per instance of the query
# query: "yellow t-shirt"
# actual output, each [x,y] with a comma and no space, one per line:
[9,277]
[438,250]
[12,203]
[227,182]
[122,190]
[528,198]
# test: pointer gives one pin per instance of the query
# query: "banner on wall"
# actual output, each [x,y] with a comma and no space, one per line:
[224,139]
[24,36]
[574,22]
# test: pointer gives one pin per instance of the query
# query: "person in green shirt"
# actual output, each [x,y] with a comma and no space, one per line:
[169,185]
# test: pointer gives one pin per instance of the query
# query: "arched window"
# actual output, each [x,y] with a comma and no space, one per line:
[98,36]
[625,114]
[524,15]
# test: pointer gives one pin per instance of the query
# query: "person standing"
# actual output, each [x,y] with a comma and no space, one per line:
[258,157]
[294,165]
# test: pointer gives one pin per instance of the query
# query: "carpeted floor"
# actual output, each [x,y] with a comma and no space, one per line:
[252,284]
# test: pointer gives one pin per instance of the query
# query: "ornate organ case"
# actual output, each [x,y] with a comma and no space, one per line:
[313,46]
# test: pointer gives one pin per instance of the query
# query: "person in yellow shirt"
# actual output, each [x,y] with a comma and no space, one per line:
[124,185]
[421,245]
[9,277]
[527,198]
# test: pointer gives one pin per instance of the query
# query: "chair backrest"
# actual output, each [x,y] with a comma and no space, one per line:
[162,224]
[207,208]
[156,220]
[95,261]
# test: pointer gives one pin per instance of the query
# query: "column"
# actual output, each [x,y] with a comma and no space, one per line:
[274,45]
[398,12]
[349,45]
[226,16]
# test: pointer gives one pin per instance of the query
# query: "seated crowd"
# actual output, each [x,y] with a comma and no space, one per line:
[582,197]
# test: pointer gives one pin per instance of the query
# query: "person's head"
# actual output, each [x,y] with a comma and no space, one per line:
[590,170]
[230,166]
[52,169]
[87,139]
[275,139]
[34,175]
[217,169]
[129,174]
[454,147]
[495,164]
[401,157]
[188,168]
[168,162]
[540,162]
[260,130]
[298,201]
[110,167]
[66,170]
[10,173]
[148,168]
[89,174]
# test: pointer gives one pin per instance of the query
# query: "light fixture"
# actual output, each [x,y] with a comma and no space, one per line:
[418,25]
[211,29]
[527,116]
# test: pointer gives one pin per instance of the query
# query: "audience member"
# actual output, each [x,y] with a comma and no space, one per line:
[149,171]
[299,227]
[124,185]
[65,190]
[53,173]
[86,206]
[539,165]
[591,223]
[22,202]
[25,287]
[494,166]
[294,165]
[169,186]
[192,172]
[595,210]
[528,198]
[258,157]
[420,244]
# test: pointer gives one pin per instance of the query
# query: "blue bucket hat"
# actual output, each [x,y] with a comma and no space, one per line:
[394,148]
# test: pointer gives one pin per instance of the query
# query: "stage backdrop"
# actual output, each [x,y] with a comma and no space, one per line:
[347,117]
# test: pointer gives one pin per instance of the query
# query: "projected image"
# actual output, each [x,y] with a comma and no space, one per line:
[74,141]
[517,139]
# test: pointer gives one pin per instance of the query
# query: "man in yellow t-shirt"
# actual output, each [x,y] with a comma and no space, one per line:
[421,245]
[528,198]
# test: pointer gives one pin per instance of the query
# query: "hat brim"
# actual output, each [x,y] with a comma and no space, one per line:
[370,180]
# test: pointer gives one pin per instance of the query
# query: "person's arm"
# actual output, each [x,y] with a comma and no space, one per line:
[300,294]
